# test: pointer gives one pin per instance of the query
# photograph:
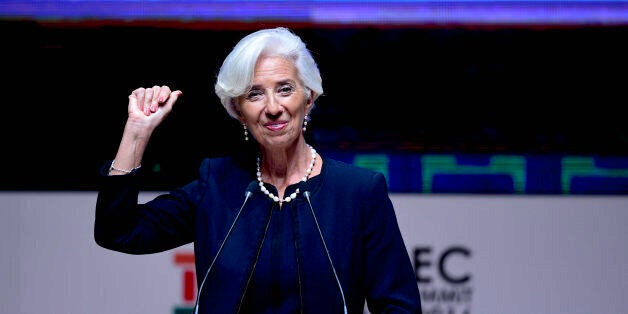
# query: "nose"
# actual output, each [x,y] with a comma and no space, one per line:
[273,106]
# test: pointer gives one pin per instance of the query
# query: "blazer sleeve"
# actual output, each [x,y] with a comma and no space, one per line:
[390,279]
[123,225]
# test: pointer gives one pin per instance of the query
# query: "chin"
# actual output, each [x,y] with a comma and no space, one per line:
[280,141]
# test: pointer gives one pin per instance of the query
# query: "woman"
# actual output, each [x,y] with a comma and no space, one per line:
[282,230]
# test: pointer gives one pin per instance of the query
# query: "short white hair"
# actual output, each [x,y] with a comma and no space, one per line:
[236,73]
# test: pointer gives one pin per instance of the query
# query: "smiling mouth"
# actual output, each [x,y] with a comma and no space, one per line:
[275,126]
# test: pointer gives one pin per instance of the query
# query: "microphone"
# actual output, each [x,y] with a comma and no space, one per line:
[247,194]
[331,263]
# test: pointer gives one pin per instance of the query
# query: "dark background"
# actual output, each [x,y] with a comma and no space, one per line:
[466,90]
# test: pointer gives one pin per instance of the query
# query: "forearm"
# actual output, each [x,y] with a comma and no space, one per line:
[125,225]
[131,149]
[116,211]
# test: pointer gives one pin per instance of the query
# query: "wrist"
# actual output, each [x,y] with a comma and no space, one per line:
[115,170]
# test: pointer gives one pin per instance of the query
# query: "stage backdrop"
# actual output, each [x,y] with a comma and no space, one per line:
[483,254]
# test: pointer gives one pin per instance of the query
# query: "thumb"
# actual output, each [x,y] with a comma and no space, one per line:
[172,99]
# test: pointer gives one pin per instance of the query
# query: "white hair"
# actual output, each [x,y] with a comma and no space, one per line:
[236,73]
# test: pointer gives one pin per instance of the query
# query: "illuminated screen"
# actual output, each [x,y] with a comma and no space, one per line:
[325,12]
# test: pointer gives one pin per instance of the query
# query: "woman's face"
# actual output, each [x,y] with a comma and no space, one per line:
[274,108]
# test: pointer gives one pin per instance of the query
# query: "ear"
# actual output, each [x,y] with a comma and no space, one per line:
[241,118]
[238,111]
[309,102]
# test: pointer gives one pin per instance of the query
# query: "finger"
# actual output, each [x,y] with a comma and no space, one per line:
[138,94]
[154,103]
[148,99]
[172,99]
[164,93]
[133,103]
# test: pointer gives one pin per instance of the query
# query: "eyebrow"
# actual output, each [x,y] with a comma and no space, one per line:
[287,81]
[282,82]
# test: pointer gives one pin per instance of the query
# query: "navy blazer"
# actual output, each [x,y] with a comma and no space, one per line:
[343,246]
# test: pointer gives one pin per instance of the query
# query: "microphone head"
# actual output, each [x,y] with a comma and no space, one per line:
[307,195]
[251,188]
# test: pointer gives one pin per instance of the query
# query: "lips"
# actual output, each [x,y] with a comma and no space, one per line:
[275,126]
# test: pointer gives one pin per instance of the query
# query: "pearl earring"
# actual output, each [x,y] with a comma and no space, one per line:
[305,120]
[246,132]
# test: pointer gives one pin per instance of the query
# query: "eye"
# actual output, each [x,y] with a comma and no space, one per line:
[254,95]
[286,89]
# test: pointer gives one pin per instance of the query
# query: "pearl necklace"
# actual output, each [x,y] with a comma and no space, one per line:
[294,194]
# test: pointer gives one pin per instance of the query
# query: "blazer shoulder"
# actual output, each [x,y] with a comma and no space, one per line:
[341,168]
[346,174]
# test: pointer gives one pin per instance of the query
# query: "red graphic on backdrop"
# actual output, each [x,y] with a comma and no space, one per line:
[186,261]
